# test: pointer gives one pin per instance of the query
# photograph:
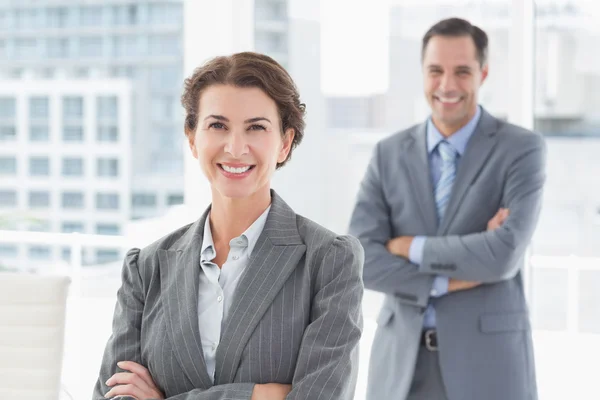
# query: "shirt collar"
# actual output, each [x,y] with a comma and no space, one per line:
[250,235]
[458,140]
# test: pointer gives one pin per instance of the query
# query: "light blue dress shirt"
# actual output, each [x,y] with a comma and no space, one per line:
[459,141]
[217,285]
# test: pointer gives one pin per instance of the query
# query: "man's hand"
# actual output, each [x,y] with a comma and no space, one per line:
[400,246]
[137,383]
[496,222]
[270,391]
[498,219]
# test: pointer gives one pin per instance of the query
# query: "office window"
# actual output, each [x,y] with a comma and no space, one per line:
[73,134]
[90,47]
[72,166]
[164,45]
[271,42]
[65,254]
[39,107]
[8,198]
[174,199]
[72,227]
[26,19]
[107,201]
[105,256]
[160,13]
[107,107]
[7,133]
[39,166]
[8,165]
[57,47]
[91,16]
[9,250]
[57,17]
[39,252]
[25,49]
[165,78]
[108,133]
[4,20]
[38,225]
[72,107]
[72,200]
[3,52]
[8,108]
[39,199]
[132,14]
[143,200]
[108,229]
[107,167]
[39,133]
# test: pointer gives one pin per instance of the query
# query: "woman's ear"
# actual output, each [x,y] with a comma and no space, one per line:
[286,145]
[191,137]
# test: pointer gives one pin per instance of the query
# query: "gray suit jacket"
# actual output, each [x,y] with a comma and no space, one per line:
[296,316]
[484,334]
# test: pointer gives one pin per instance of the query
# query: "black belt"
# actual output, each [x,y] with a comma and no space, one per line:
[429,339]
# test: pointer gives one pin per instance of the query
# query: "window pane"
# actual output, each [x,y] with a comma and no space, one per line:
[8,198]
[174,199]
[39,133]
[72,167]
[39,199]
[108,133]
[108,229]
[72,107]
[7,133]
[90,47]
[73,134]
[143,200]
[39,252]
[107,201]
[39,166]
[8,107]
[105,256]
[9,251]
[91,15]
[107,108]
[72,200]
[38,107]
[72,227]
[57,47]
[8,165]
[108,167]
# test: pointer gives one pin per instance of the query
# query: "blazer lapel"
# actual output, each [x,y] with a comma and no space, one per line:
[179,274]
[478,149]
[276,254]
[417,162]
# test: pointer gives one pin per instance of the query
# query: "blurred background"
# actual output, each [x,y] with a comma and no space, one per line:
[93,159]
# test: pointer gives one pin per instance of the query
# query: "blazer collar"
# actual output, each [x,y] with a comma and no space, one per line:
[276,254]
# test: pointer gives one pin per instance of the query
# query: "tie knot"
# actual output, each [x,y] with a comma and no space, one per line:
[447,152]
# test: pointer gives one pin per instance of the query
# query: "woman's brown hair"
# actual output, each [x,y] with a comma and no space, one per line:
[247,70]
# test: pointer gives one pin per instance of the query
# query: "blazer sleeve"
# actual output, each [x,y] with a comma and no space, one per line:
[493,256]
[327,363]
[371,224]
[124,343]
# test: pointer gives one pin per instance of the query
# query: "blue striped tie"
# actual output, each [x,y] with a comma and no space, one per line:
[443,188]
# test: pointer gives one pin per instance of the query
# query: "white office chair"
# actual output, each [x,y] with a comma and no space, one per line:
[32,327]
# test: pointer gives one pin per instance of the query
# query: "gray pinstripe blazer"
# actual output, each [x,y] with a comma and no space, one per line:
[295,318]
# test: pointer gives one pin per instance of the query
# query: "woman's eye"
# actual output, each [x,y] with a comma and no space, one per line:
[216,125]
[257,127]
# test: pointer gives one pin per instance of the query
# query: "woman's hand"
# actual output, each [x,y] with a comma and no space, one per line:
[137,383]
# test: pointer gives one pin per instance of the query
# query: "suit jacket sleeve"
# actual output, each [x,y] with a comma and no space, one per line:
[494,256]
[124,343]
[327,364]
[371,224]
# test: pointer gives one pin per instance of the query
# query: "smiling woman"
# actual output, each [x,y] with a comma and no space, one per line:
[252,301]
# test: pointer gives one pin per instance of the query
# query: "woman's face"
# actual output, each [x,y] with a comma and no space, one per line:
[238,140]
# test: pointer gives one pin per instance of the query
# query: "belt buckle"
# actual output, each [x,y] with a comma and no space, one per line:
[428,340]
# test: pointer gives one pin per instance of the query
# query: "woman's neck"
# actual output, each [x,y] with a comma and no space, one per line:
[230,217]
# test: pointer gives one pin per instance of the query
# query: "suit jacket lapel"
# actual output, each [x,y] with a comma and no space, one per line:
[417,161]
[276,254]
[478,149]
[179,273]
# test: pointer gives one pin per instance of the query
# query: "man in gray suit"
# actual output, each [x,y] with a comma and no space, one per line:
[445,213]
